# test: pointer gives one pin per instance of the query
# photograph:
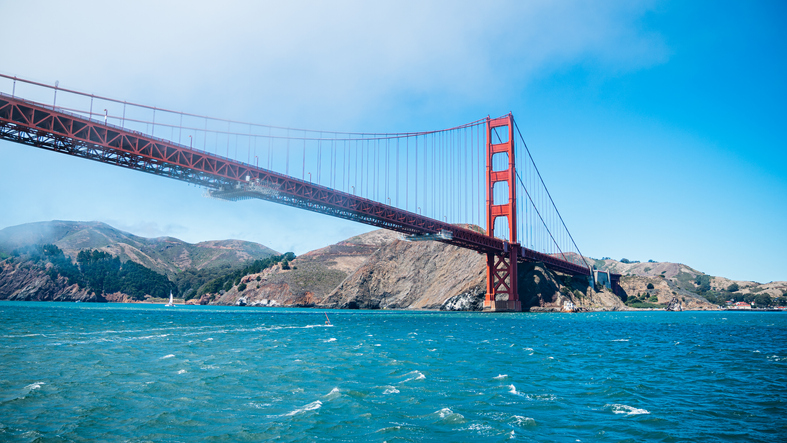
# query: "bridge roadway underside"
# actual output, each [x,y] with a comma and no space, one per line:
[56,130]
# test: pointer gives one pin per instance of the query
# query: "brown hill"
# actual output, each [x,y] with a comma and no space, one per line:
[379,270]
[165,255]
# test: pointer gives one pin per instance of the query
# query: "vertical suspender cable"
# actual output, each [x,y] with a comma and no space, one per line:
[397,172]
[416,172]
[407,174]
[387,156]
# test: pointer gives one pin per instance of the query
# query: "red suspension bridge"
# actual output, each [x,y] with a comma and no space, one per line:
[436,185]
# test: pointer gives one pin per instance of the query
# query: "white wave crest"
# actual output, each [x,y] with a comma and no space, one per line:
[167,356]
[413,375]
[182,371]
[626,409]
[310,407]
[329,340]
[501,377]
[34,386]
[390,390]
[333,394]
[443,413]
[519,420]
[512,389]
[447,415]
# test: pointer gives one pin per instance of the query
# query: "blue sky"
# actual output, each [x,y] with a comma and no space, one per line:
[658,126]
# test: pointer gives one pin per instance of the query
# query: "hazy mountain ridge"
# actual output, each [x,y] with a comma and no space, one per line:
[165,255]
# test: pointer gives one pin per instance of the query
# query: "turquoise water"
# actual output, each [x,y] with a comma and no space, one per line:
[111,372]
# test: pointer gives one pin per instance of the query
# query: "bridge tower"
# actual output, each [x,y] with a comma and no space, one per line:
[501,267]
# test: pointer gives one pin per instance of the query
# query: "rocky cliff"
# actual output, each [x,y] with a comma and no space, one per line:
[379,270]
[410,275]
[23,281]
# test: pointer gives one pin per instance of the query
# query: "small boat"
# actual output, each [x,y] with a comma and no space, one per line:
[171,303]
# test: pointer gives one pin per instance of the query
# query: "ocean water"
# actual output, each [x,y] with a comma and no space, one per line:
[122,372]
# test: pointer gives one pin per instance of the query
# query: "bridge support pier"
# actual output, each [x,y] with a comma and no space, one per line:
[501,282]
[501,267]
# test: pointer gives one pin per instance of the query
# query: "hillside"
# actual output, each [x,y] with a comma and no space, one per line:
[379,270]
[376,270]
[694,287]
[165,255]
[311,277]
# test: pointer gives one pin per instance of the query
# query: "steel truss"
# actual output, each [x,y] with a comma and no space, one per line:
[53,129]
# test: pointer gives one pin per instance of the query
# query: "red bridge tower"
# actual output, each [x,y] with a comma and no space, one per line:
[501,267]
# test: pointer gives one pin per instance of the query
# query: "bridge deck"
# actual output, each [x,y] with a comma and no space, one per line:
[56,130]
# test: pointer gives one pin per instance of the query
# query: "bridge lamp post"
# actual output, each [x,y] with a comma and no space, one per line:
[310,176]
[191,144]
[257,161]
[106,115]
[353,189]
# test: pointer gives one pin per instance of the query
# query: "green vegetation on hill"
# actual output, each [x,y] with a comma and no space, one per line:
[227,281]
[700,285]
[98,272]
[643,301]
[190,280]
[103,273]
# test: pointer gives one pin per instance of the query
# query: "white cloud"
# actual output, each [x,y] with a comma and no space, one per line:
[375,66]
[323,63]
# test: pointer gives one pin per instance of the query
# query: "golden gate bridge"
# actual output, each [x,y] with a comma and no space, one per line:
[440,185]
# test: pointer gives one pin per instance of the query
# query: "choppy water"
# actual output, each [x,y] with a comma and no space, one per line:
[75,372]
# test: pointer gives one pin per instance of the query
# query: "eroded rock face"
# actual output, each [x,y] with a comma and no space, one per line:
[542,290]
[25,281]
[538,288]
[410,275]
[472,300]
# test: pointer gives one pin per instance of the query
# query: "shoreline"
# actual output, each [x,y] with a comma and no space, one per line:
[163,302]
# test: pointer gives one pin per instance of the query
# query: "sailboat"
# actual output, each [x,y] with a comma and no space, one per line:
[171,303]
